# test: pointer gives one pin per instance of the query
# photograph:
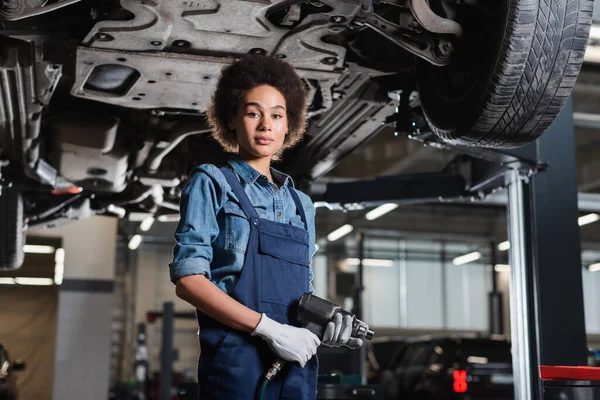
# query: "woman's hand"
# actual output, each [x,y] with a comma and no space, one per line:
[337,333]
[288,342]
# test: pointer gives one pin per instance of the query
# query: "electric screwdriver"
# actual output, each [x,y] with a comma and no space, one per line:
[313,314]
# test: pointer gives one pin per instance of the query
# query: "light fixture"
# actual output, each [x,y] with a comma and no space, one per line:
[134,242]
[594,267]
[59,266]
[588,219]
[504,245]
[117,210]
[38,249]
[7,281]
[370,262]
[147,224]
[592,55]
[34,281]
[316,247]
[467,258]
[381,210]
[595,32]
[502,268]
[168,218]
[477,360]
[340,232]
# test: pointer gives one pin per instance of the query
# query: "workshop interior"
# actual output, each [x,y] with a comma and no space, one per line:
[449,154]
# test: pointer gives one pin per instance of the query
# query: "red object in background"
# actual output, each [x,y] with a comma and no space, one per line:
[460,381]
[569,373]
[150,317]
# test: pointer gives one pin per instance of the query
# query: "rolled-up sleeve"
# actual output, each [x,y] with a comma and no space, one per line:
[201,200]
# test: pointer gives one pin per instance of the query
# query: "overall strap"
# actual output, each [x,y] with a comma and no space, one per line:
[299,206]
[239,191]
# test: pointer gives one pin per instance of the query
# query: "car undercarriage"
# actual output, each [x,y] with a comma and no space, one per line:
[102,103]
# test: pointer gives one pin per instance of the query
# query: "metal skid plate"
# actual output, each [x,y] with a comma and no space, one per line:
[182,46]
[166,80]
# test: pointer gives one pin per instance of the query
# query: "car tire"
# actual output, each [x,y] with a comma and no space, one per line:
[509,76]
[11,229]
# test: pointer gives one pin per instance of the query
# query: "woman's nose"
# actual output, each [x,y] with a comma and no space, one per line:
[265,124]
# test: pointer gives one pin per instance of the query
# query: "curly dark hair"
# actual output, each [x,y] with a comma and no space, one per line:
[244,75]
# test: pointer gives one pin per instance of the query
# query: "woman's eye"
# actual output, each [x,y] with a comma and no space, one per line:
[253,114]
[277,116]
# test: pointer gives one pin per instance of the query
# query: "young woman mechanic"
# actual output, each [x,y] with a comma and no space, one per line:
[245,242]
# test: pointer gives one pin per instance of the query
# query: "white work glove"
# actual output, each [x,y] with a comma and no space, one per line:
[288,342]
[337,333]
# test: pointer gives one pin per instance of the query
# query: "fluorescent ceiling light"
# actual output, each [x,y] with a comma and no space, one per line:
[59,271]
[588,219]
[59,256]
[59,266]
[7,281]
[168,218]
[381,210]
[117,210]
[595,32]
[38,249]
[477,360]
[34,281]
[592,55]
[594,267]
[504,246]
[147,224]
[316,247]
[502,268]
[320,204]
[134,242]
[340,232]
[467,258]
[370,262]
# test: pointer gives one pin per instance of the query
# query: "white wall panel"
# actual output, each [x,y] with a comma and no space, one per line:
[424,294]
[591,300]
[382,297]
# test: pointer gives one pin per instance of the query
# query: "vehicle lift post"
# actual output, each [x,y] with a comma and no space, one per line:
[546,289]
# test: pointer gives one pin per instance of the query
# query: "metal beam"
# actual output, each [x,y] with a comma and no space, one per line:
[586,202]
[400,189]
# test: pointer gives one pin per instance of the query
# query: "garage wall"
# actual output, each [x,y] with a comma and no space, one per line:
[415,293]
[591,301]
[591,296]
[153,288]
[28,331]
[85,306]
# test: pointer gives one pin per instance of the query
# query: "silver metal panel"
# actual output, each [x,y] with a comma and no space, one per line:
[591,301]
[384,296]
[424,294]
[520,302]
[82,358]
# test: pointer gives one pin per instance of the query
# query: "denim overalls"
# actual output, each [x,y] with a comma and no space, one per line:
[275,275]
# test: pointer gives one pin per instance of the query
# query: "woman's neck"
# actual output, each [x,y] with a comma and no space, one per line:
[262,164]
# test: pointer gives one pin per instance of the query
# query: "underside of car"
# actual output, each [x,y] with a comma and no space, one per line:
[102,103]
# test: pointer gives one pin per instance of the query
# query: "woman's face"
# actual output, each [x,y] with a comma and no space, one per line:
[260,122]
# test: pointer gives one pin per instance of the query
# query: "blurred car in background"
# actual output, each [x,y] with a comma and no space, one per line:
[444,368]
[8,385]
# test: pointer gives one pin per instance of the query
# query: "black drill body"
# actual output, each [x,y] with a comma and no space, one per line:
[314,313]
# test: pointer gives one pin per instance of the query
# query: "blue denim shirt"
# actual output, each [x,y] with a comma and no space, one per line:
[213,231]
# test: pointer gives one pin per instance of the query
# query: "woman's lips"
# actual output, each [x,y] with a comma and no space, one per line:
[262,140]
